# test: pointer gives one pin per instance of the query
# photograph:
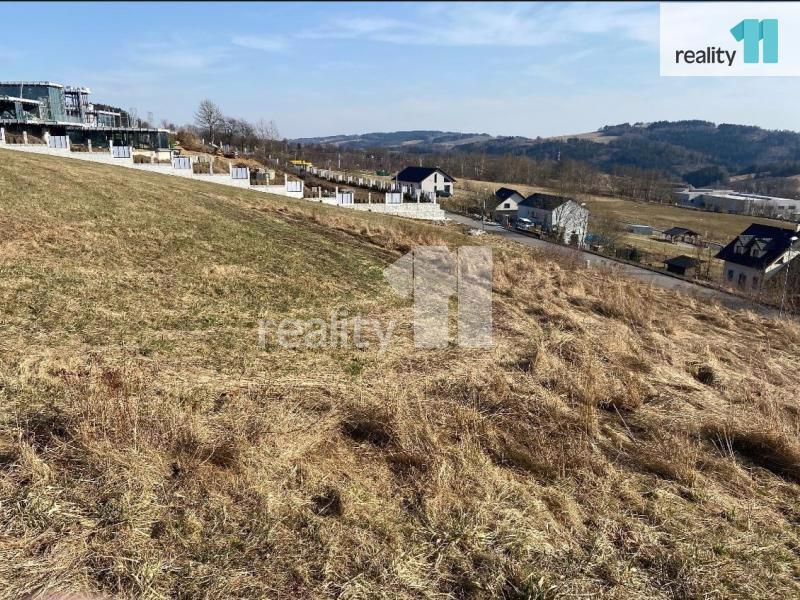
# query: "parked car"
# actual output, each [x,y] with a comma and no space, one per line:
[524,224]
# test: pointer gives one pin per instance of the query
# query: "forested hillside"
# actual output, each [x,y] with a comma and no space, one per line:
[673,148]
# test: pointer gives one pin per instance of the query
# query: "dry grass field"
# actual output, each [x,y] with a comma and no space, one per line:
[617,441]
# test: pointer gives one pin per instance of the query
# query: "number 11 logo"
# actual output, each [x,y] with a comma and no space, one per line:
[753,31]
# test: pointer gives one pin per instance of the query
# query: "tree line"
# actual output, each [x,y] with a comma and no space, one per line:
[567,176]
[213,129]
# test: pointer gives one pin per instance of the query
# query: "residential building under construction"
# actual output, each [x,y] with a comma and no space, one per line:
[43,107]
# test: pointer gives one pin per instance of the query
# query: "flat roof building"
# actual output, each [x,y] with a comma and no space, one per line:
[40,107]
[742,203]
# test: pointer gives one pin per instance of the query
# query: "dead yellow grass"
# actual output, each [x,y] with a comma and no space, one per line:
[617,441]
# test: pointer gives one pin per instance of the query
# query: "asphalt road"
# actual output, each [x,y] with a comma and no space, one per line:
[645,275]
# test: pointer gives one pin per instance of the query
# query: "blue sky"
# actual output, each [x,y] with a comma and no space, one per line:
[322,69]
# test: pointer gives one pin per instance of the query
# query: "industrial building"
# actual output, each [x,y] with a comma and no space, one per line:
[42,108]
[740,203]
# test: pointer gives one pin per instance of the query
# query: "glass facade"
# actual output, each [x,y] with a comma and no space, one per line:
[8,109]
[59,107]
[107,119]
[51,97]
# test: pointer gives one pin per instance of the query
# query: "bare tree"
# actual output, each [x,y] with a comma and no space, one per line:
[133,117]
[209,118]
[266,132]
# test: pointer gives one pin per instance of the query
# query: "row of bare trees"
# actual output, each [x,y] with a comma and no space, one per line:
[569,177]
[217,129]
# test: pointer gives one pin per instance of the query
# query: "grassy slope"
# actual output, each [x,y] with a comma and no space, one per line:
[617,440]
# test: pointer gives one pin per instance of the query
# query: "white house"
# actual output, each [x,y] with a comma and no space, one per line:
[556,214]
[757,254]
[429,181]
[507,203]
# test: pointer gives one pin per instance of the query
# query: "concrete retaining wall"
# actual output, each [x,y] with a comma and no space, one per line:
[276,189]
[411,210]
[108,158]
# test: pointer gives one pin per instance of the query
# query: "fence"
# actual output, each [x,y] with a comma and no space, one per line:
[58,141]
[240,173]
[344,197]
[394,198]
[181,166]
[181,162]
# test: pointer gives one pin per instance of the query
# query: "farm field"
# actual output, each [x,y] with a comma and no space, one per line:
[617,440]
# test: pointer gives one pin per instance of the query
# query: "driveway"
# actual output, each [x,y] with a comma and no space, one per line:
[645,275]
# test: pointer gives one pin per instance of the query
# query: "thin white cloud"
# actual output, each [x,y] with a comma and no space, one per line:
[497,24]
[178,56]
[181,62]
[261,42]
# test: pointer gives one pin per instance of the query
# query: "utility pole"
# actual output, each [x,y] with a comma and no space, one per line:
[483,211]
[792,240]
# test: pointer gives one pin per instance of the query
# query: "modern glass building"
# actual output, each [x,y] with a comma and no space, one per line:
[49,95]
[43,106]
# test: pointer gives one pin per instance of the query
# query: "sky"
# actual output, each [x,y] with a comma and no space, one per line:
[537,69]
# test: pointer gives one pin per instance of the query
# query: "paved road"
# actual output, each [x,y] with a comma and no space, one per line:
[657,279]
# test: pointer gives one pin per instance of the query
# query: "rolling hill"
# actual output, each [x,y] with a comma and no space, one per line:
[675,148]
[399,140]
[616,441]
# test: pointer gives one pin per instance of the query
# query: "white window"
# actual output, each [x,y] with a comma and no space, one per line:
[742,279]
[730,274]
[507,205]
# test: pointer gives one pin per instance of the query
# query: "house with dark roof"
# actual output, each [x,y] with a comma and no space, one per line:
[682,234]
[559,215]
[427,182]
[758,254]
[507,201]
[682,265]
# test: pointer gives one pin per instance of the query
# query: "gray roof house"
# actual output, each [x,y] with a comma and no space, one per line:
[507,202]
[559,215]
[757,254]
[426,181]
